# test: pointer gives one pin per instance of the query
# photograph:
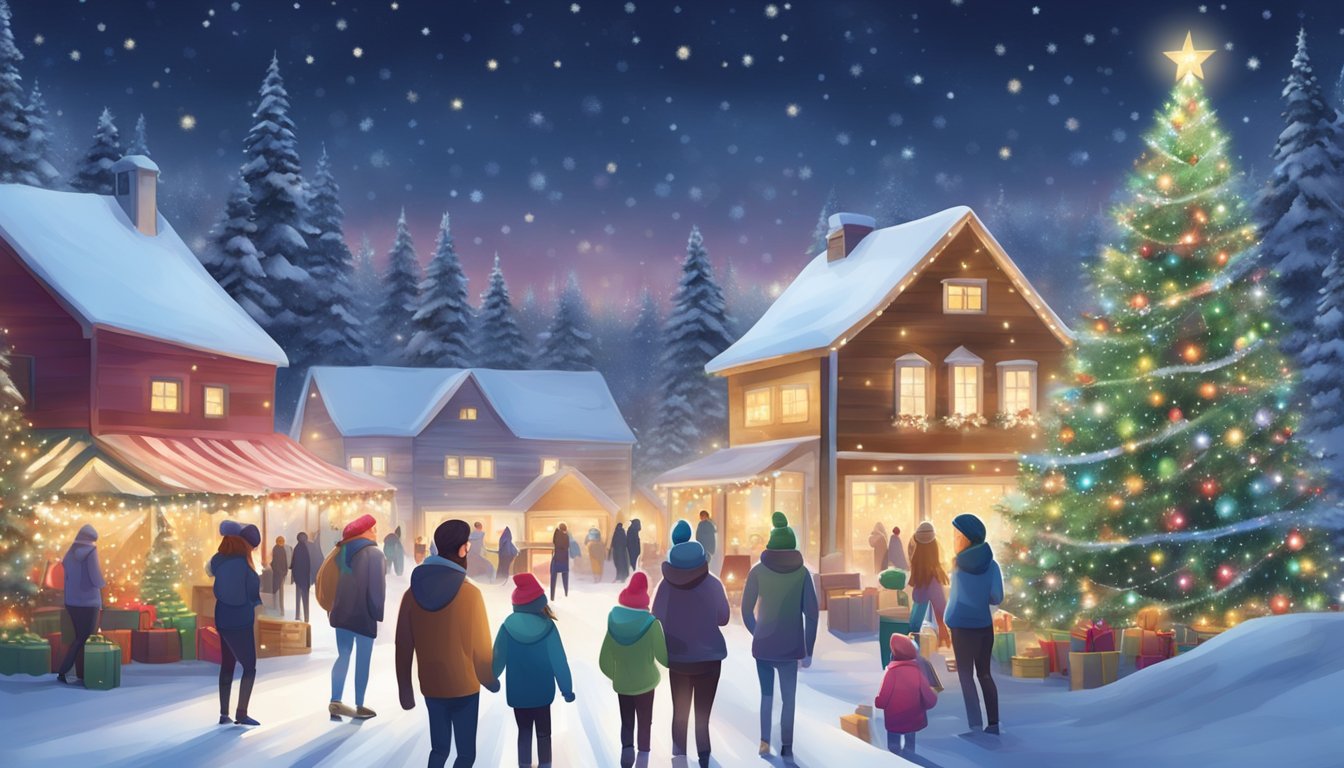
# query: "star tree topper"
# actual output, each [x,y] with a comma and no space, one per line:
[1188,60]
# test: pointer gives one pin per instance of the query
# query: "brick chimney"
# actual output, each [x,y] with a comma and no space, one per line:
[847,229]
[137,180]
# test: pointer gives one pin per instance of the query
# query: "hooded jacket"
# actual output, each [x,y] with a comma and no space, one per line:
[631,651]
[977,584]
[896,552]
[442,621]
[707,535]
[632,543]
[301,566]
[507,549]
[905,696]
[691,605]
[560,555]
[237,591]
[83,575]
[620,552]
[779,607]
[361,590]
[528,646]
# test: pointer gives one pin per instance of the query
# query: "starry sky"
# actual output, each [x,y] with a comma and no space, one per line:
[592,135]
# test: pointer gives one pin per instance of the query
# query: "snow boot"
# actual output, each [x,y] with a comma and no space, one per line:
[786,751]
[364,713]
[627,757]
[243,719]
[704,760]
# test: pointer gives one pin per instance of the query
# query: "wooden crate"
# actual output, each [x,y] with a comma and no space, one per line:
[1030,666]
[278,637]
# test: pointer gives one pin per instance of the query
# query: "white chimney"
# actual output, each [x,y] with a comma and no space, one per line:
[137,181]
[847,229]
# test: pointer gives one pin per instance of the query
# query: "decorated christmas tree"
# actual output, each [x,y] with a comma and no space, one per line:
[19,550]
[163,574]
[1172,476]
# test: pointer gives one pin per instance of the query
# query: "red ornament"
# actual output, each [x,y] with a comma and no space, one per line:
[1209,487]
[1295,540]
[1138,301]
[1066,435]
[1146,252]
[1226,574]
[1175,519]
[1279,604]
[1175,414]
[1194,159]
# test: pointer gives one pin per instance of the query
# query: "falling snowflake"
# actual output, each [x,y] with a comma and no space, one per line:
[476,196]
[856,70]
[74,55]
[737,213]
[907,153]
[1014,86]
[1005,153]
[1051,48]
[917,78]
[629,7]
[1089,38]
[574,8]
[128,44]
[341,24]
[537,181]
[358,52]
[684,52]
[424,31]
[492,64]
[366,124]
[412,96]
[611,167]
[456,104]
[187,122]
[792,110]
[805,172]
[1053,99]
[747,60]
[1253,63]
[1071,123]
[842,139]
[771,11]
[537,119]
[1000,49]
[309,59]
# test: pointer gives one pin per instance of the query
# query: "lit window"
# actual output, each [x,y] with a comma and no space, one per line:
[378,466]
[165,396]
[357,464]
[793,403]
[964,296]
[478,468]
[912,386]
[549,467]
[758,407]
[215,399]
[452,466]
[966,389]
[1017,386]
[466,414]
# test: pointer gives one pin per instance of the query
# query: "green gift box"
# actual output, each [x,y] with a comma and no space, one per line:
[186,629]
[47,620]
[119,618]
[102,664]
[25,653]
[886,627]
[1005,647]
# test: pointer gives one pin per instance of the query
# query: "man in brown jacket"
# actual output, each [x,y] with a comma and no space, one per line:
[443,621]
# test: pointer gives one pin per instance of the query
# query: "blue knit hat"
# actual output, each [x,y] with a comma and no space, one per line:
[230,527]
[251,535]
[681,532]
[970,526]
[685,553]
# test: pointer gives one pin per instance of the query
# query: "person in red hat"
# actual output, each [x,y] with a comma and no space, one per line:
[356,610]
[631,652]
[528,646]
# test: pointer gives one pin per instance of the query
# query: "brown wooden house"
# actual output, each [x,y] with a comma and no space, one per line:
[897,379]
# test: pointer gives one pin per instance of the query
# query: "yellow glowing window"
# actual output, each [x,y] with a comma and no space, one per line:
[165,396]
[912,393]
[966,389]
[357,464]
[215,401]
[378,466]
[478,468]
[466,414]
[793,403]
[452,466]
[1017,390]
[758,407]
[549,467]
[964,296]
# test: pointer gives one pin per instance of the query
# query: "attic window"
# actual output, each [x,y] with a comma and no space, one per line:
[466,414]
[964,297]
[549,467]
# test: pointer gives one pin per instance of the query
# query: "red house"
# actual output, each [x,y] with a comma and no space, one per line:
[148,380]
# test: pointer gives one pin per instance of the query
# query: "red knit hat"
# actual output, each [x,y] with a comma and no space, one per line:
[357,527]
[526,588]
[636,593]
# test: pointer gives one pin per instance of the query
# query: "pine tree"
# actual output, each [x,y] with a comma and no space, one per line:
[1171,475]
[232,259]
[531,320]
[823,227]
[642,374]
[18,165]
[499,342]
[163,574]
[94,172]
[335,333]
[400,298]
[139,140]
[442,322]
[39,140]
[279,208]
[672,440]
[20,545]
[1323,378]
[567,344]
[367,285]
[1299,215]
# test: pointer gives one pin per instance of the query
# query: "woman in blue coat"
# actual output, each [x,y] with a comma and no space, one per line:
[977,584]
[528,646]
[237,593]
[83,594]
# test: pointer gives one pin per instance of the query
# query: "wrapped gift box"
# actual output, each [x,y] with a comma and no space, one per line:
[1093,670]
[58,654]
[1091,637]
[1030,666]
[186,629]
[1149,618]
[1184,648]
[1161,644]
[102,664]
[156,646]
[1143,662]
[280,637]
[208,645]
[120,618]
[47,620]
[1003,621]
[928,643]
[890,621]
[121,637]
[25,654]
[1055,648]
[1005,647]
[1131,640]
[203,600]
[852,613]
[1205,634]
[148,613]
[855,725]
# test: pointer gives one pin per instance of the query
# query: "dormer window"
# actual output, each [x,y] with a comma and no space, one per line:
[964,297]
[966,379]
[914,386]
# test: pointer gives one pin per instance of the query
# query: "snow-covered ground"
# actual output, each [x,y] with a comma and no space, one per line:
[1268,690]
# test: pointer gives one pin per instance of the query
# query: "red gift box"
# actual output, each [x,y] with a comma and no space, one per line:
[156,646]
[1100,637]
[148,613]
[123,638]
[1056,653]
[1161,645]
[208,644]
[1147,661]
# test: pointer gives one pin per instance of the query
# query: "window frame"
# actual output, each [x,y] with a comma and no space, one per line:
[550,460]
[966,282]
[363,464]
[467,413]
[179,395]
[1018,366]
[979,369]
[769,419]
[484,468]
[223,401]
[374,461]
[784,417]
[452,468]
[913,361]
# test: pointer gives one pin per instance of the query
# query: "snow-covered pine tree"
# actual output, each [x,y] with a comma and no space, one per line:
[499,342]
[232,259]
[400,298]
[367,284]
[18,165]
[279,207]
[823,227]
[139,144]
[336,332]
[673,439]
[441,325]
[94,170]
[39,140]
[531,321]
[19,544]
[1323,378]
[1298,212]
[639,395]
[567,344]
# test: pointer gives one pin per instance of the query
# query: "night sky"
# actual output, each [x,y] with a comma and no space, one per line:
[592,135]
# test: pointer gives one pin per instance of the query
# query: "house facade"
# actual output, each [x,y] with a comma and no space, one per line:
[523,449]
[898,379]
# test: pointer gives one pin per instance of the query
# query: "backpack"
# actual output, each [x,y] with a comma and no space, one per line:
[328,579]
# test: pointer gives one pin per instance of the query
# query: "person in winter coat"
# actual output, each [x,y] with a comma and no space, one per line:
[301,573]
[708,536]
[394,551]
[977,584]
[442,620]
[631,651]
[237,592]
[905,696]
[927,581]
[356,612]
[528,646]
[632,543]
[779,609]
[560,557]
[896,551]
[597,554]
[620,553]
[83,594]
[478,567]
[507,552]
[279,574]
[420,550]
[691,604]
[878,541]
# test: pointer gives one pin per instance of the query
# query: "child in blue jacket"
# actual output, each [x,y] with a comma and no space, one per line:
[528,646]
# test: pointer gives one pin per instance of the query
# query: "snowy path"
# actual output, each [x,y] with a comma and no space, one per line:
[165,715]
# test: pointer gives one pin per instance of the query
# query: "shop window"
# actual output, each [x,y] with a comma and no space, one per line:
[758,407]
[793,403]
[478,468]
[889,502]
[1017,387]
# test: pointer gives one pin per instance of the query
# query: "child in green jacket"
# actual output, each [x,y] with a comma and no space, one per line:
[633,643]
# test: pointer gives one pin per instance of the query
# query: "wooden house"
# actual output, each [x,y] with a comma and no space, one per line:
[896,380]
[524,449]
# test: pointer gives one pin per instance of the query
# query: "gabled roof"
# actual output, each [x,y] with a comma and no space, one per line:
[542,484]
[389,401]
[831,301]
[738,464]
[108,274]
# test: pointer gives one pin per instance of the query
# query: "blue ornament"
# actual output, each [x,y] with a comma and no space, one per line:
[1225,506]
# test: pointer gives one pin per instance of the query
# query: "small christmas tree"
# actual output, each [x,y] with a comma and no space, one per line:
[19,550]
[499,342]
[401,297]
[94,171]
[441,326]
[163,574]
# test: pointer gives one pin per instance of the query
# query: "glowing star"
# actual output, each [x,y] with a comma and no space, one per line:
[456,104]
[1188,60]
[187,122]
[684,52]
[792,110]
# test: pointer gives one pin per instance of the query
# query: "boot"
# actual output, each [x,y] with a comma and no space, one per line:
[364,713]
[243,719]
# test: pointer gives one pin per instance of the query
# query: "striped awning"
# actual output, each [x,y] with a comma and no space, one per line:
[143,465]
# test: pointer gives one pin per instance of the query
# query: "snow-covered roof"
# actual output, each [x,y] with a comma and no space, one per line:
[830,301]
[738,464]
[388,401]
[838,220]
[83,247]
[135,161]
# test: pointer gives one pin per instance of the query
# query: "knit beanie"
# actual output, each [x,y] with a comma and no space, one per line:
[636,593]
[902,648]
[681,532]
[781,536]
[230,527]
[251,535]
[924,533]
[526,588]
[892,578]
[970,526]
[358,526]
[685,553]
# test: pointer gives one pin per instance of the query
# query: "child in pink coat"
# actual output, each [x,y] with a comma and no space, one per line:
[905,695]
